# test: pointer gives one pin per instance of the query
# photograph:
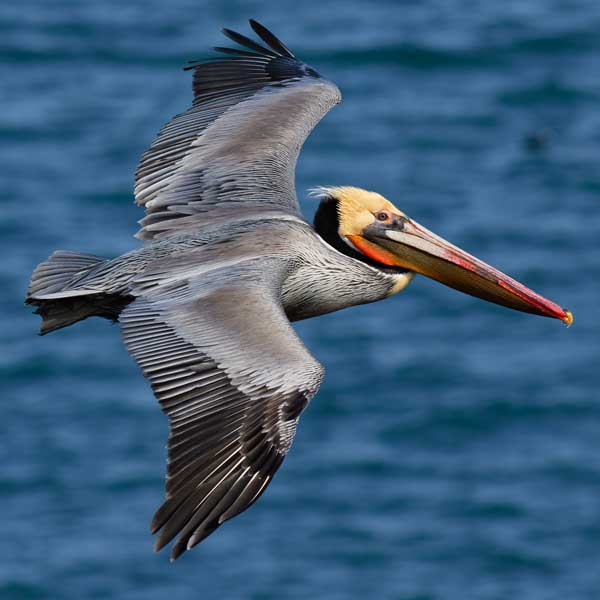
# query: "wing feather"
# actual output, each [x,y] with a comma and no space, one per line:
[273,42]
[233,390]
[240,139]
[242,40]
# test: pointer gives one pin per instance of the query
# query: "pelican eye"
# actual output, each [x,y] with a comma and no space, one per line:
[382,216]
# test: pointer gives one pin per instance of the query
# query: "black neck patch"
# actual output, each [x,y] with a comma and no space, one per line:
[327,224]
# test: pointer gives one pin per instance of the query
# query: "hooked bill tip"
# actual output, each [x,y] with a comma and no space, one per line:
[568,318]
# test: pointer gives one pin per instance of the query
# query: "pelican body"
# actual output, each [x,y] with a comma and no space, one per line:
[205,305]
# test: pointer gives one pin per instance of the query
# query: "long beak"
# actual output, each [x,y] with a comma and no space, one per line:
[418,249]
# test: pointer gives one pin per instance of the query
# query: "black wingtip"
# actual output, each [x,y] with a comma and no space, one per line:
[270,39]
[178,548]
[242,40]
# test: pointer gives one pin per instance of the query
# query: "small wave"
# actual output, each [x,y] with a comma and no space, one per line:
[28,55]
[545,92]
[410,55]
[485,418]
[485,55]
[558,42]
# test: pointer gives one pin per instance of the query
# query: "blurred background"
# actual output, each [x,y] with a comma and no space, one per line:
[454,448]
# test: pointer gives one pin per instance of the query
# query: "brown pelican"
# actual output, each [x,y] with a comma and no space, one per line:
[205,306]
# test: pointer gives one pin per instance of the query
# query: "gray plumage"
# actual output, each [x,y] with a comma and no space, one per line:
[238,142]
[205,306]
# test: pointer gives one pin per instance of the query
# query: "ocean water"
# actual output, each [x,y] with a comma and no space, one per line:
[454,448]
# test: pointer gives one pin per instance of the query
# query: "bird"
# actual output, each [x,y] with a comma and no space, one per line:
[205,304]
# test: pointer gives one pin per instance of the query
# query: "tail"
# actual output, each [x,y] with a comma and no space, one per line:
[53,289]
[56,272]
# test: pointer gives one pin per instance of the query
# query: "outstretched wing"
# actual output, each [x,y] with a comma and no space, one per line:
[233,378]
[239,141]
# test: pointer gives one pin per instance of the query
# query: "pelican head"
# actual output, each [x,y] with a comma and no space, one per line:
[376,231]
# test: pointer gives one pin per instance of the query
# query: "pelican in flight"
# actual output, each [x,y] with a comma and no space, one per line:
[205,305]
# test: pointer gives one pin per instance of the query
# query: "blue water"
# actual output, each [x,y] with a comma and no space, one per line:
[454,448]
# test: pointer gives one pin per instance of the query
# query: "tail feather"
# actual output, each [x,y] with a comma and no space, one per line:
[60,269]
[53,289]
